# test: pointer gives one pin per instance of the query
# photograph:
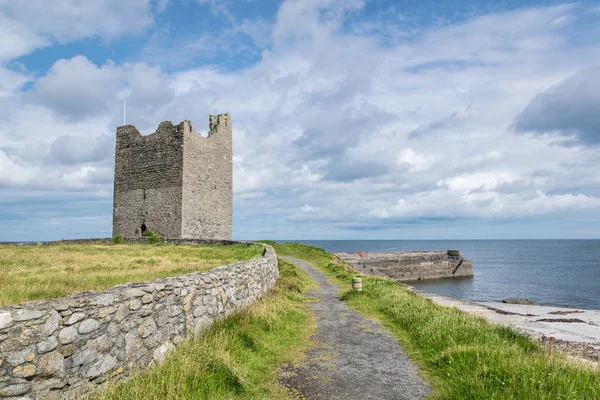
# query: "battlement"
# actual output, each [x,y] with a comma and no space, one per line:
[174,180]
[217,123]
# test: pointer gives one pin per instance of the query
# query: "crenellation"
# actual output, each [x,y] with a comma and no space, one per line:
[219,123]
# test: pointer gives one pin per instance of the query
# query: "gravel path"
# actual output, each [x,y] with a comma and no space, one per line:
[355,358]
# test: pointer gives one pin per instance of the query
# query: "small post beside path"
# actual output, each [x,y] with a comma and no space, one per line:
[357,284]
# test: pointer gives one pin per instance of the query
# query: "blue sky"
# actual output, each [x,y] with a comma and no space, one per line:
[354,119]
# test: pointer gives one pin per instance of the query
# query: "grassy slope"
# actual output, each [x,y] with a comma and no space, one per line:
[41,272]
[463,356]
[237,357]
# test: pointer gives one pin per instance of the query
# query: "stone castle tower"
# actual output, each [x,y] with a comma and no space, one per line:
[174,181]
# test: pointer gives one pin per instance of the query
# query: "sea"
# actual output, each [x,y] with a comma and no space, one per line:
[553,272]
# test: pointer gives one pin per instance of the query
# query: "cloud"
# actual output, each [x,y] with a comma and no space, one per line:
[160,5]
[13,174]
[70,150]
[77,88]
[11,81]
[487,205]
[219,7]
[415,162]
[307,208]
[485,181]
[569,110]
[347,169]
[448,123]
[594,10]
[149,86]
[16,39]
[28,26]
[227,38]
[329,128]
[72,19]
[84,176]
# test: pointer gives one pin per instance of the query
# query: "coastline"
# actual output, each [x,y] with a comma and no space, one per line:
[554,272]
[575,331]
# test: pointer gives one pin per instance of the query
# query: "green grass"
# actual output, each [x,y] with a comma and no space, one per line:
[237,357]
[461,355]
[41,272]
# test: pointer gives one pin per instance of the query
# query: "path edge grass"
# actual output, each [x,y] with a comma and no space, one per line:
[469,358]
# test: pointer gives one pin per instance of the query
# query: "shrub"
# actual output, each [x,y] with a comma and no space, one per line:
[119,239]
[153,237]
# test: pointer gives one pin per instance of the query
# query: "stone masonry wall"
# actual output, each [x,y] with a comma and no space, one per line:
[174,181]
[58,348]
[415,265]
[208,181]
[148,179]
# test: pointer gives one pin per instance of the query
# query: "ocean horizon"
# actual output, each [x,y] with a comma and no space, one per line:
[561,272]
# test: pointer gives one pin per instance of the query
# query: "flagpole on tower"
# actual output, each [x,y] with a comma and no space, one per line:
[124,110]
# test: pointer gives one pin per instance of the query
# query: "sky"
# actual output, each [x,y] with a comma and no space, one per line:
[352,119]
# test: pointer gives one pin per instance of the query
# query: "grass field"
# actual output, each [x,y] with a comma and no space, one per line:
[238,357]
[42,272]
[461,355]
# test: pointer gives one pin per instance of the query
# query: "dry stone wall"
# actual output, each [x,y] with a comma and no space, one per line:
[414,265]
[61,347]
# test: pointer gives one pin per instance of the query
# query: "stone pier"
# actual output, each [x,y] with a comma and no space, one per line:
[410,266]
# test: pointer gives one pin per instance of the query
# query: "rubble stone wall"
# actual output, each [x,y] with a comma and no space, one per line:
[58,348]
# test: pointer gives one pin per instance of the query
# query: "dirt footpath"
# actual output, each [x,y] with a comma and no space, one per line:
[355,358]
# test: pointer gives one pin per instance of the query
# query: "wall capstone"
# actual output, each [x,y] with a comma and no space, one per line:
[59,348]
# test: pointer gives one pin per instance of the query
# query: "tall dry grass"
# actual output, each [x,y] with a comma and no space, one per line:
[42,272]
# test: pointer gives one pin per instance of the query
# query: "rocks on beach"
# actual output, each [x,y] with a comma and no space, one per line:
[520,300]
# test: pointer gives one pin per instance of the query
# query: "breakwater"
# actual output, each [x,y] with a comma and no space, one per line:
[58,348]
[412,265]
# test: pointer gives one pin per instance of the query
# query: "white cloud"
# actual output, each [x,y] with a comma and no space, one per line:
[86,175]
[479,181]
[69,149]
[13,174]
[415,162]
[487,205]
[307,208]
[148,86]
[73,19]
[16,39]
[77,87]
[11,81]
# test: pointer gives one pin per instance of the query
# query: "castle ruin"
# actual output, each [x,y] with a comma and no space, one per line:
[174,181]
